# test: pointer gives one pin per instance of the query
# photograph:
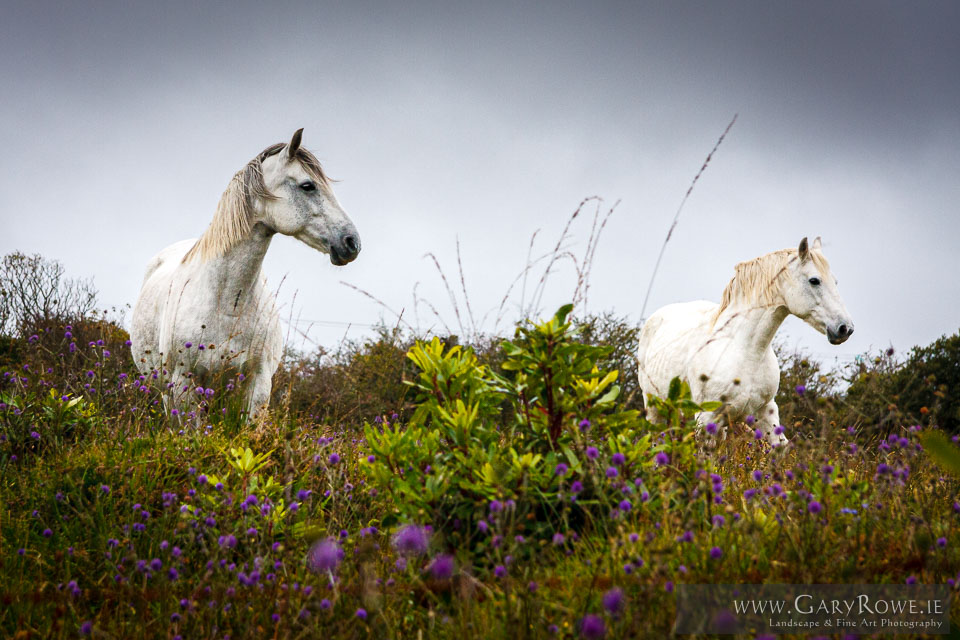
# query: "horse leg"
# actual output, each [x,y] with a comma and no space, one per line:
[769,420]
[651,414]
[258,395]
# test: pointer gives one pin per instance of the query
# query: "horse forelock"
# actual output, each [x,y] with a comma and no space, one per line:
[234,215]
[756,282]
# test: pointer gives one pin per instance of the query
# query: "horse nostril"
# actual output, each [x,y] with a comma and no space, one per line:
[351,244]
[843,331]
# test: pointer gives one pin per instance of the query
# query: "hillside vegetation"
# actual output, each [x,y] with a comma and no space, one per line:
[421,488]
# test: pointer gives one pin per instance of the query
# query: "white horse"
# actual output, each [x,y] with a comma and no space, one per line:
[724,351]
[204,308]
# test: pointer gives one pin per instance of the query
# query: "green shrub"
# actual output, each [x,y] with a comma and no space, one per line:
[925,388]
[538,450]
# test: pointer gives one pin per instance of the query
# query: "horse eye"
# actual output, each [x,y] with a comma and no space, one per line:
[308,186]
[815,282]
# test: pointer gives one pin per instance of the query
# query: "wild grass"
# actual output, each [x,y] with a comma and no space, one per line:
[122,520]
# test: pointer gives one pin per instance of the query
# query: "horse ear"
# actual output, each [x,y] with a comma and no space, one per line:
[291,149]
[816,243]
[803,251]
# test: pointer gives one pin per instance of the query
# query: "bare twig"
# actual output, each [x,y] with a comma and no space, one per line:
[676,216]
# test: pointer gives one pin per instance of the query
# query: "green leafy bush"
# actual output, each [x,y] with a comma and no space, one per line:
[923,388]
[538,450]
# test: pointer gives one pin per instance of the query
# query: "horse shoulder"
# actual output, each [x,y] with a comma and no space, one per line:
[670,340]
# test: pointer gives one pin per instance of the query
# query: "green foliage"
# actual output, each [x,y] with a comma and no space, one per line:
[938,447]
[149,524]
[678,409]
[553,381]
[245,462]
[355,382]
[454,390]
[620,336]
[925,386]
[36,421]
[478,437]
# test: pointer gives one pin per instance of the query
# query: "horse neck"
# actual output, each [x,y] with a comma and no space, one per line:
[752,326]
[240,265]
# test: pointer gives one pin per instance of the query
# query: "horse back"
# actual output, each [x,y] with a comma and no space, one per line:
[668,340]
[169,258]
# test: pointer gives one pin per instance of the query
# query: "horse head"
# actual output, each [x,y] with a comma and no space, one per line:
[300,202]
[810,291]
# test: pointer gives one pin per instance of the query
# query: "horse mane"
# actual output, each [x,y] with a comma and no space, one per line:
[234,216]
[755,282]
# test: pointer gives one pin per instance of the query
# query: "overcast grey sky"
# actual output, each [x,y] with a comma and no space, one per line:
[122,124]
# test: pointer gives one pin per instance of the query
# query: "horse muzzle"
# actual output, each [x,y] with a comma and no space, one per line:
[840,333]
[345,250]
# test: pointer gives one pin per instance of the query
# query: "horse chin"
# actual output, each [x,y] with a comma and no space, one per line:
[834,339]
[336,259]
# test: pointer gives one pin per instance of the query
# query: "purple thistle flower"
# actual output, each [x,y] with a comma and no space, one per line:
[442,567]
[576,487]
[500,571]
[592,627]
[625,505]
[86,628]
[558,539]
[612,472]
[711,428]
[613,601]
[662,458]
[495,506]
[584,425]
[361,613]
[618,459]
[561,469]
[411,540]
[814,507]
[593,453]
[333,459]
[941,542]
[800,389]
[323,556]
[716,553]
